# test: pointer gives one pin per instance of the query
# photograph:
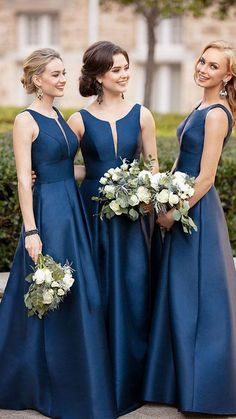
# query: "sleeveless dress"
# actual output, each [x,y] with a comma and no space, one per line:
[122,250]
[192,352]
[58,365]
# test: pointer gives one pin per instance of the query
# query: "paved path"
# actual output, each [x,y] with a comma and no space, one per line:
[145,412]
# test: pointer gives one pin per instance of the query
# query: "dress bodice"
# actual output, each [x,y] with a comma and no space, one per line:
[97,144]
[191,138]
[54,149]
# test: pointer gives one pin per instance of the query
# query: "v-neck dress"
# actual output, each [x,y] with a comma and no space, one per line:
[122,251]
[58,365]
[192,350]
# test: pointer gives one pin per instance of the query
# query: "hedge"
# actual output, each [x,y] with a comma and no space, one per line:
[10,217]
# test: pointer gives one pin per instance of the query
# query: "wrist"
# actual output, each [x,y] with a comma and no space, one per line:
[31,232]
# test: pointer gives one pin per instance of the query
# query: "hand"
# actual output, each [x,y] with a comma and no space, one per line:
[33,246]
[33,177]
[166,220]
[147,208]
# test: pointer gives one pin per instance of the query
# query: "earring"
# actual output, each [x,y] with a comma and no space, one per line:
[99,92]
[223,92]
[39,93]
[122,95]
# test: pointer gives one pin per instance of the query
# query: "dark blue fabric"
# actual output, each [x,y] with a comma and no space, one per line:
[122,250]
[192,350]
[58,365]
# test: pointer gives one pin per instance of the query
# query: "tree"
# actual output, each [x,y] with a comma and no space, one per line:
[154,11]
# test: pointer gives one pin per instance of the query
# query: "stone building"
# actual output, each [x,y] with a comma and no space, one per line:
[71,25]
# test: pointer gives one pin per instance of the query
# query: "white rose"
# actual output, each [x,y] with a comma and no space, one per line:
[117,170]
[133,200]
[163,196]
[143,194]
[111,171]
[155,180]
[115,177]
[103,180]
[124,166]
[47,297]
[183,196]
[107,175]
[47,276]
[109,191]
[55,284]
[144,173]
[191,191]
[67,281]
[115,207]
[60,292]
[173,198]
[38,276]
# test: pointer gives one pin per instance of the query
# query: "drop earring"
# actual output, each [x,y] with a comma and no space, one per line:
[39,93]
[99,92]
[223,92]
[122,95]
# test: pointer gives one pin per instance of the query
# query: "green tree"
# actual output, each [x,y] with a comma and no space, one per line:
[154,11]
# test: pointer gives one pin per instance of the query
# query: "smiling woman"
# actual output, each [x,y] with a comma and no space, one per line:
[110,129]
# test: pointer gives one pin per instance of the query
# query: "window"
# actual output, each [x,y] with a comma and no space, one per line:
[169,31]
[37,29]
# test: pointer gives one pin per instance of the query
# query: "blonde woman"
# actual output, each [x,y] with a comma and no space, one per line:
[58,365]
[192,352]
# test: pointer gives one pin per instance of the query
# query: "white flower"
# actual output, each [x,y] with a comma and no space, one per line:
[109,191]
[55,284]
[163,196]
[124,166]
[68,281]
[133,200]
[115,177]
[60,292]
[47,297]
[103,181]
[191,191]
[173,198]
[183,196]
[111,171]
[155,179]
[143,194]
[143,174]
[42,275]
[115,207]
[117,170]
[107,175]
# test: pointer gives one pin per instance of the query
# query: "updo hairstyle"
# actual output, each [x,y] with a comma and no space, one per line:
[97,60]
[35,64]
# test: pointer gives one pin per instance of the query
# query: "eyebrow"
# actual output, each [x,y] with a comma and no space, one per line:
[119,66]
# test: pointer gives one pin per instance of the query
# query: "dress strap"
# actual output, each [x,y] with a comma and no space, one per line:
[230,118]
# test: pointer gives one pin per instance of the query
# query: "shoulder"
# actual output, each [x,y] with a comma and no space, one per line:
[24,121]
[217,122]
[76,123]
[146,116]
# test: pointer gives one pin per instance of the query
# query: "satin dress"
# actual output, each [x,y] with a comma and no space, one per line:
[58,365]
[192,350]
[122,250]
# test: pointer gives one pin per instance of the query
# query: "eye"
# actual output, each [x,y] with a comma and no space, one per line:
[201,61]
[214,67]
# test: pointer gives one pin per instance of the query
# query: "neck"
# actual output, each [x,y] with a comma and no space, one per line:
[211,96]
[111,101]
[44,105]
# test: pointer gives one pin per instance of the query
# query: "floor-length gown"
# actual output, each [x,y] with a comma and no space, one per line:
[58,365]
[122,249]
[192,349]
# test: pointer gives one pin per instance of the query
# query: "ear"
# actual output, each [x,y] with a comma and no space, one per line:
[227,78]
[36,80]
[99,80]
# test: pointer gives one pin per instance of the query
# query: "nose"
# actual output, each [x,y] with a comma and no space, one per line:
[63,78]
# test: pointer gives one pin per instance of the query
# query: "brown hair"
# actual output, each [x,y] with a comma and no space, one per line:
[35,64]
[97,60]
[229,53]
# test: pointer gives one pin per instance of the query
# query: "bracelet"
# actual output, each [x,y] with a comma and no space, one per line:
[31,232]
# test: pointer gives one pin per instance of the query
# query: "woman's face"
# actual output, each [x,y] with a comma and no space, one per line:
[116,79]
[212,69]
[52,81]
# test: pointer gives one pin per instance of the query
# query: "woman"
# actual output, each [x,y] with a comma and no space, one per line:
[58,365]
[109,129]
[192,354]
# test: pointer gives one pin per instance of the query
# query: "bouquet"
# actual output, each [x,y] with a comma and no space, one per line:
[50,282]
[173,190]
[125,190]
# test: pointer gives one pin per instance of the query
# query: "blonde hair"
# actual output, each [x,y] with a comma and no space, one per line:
[229,53]
[35,64]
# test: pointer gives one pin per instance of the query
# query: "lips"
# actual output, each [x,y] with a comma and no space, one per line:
[202,78]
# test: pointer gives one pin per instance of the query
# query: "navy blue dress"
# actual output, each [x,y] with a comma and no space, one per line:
[192,352]
[122,250]
[58,365]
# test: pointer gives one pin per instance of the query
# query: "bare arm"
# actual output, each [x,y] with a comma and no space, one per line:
[216,127]
[149,137]
[76,124]
[24,131]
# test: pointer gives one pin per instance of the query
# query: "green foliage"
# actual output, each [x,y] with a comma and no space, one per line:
[10,217]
